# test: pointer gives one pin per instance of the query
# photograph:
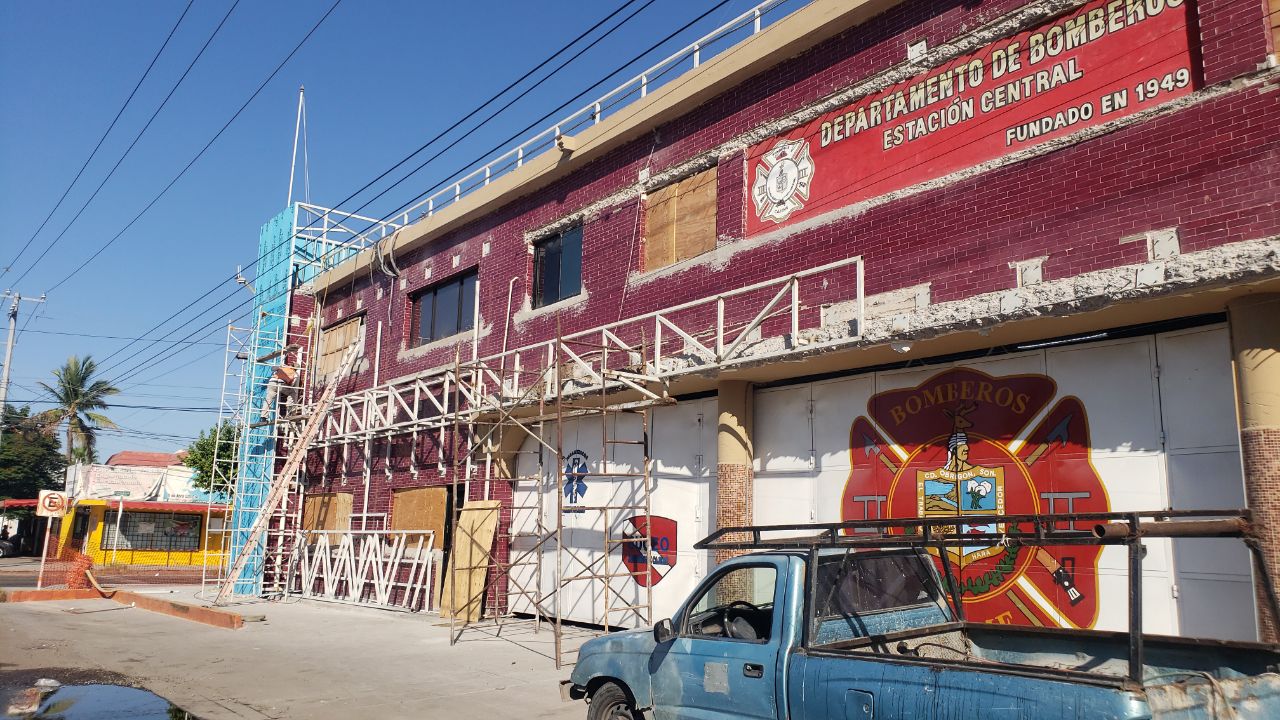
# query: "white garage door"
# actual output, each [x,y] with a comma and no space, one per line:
[1134,424]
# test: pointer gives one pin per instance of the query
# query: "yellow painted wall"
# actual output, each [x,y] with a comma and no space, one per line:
[100,514]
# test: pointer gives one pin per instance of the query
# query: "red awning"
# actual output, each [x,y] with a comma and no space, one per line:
[15,503]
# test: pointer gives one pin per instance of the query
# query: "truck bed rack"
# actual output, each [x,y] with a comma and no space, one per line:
[1111,528]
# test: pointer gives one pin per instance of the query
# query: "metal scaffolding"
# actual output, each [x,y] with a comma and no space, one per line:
[497,426]
[264,383]
[519,578]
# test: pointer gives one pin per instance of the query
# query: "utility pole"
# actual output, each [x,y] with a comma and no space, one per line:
[8,348]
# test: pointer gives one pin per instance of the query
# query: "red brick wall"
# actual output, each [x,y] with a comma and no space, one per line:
[1210,169]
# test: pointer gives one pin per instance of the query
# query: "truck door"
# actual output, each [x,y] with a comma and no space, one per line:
[724,661]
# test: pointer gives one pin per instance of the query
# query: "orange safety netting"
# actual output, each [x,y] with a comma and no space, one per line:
[65,567]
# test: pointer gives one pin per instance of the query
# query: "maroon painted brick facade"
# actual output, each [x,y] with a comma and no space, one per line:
[1210,169]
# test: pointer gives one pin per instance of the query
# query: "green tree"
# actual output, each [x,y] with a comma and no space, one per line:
[217,443]
[30,460]
[79,397]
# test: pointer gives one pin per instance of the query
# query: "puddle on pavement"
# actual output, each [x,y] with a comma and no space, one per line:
[89,702]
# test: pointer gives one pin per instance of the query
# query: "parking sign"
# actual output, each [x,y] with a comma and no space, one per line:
[51,504]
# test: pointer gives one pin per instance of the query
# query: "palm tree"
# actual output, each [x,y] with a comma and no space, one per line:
[78,396]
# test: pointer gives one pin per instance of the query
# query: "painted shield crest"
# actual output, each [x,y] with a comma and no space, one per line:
[648,570]
[963,442]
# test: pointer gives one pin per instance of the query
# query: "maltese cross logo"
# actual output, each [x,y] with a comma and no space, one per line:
[782,180]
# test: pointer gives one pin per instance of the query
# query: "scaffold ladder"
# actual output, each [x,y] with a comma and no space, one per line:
[279,486]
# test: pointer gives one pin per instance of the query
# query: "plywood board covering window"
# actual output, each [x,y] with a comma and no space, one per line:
[327,511]
[335,341]
[680,220]
[420,509]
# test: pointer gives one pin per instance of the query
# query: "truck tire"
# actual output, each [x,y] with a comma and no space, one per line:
[610,702]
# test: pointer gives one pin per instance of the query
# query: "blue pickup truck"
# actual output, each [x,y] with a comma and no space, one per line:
[862,628]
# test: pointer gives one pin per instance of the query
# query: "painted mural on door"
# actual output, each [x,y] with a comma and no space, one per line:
[967,443]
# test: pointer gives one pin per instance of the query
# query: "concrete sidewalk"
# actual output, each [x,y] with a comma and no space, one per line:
[307,660]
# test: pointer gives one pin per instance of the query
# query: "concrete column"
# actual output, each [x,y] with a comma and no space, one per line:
[734,484]
[1255,346]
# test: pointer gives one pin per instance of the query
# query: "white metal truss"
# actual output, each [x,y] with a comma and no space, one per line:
[818,309]
[388,569]
[325,237]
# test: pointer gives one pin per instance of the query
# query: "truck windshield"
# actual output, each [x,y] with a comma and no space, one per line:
[864,594]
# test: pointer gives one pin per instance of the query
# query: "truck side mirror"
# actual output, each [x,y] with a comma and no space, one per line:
[663,632]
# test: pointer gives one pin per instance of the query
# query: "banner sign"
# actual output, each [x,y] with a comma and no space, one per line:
[1109,59]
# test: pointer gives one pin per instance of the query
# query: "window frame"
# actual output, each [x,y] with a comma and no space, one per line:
[467,314]
[936,582]
[686,612]
[541,249]
[132,517]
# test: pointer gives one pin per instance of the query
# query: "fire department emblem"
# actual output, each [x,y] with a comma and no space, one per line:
[782,180]
[648,568]
[967,443]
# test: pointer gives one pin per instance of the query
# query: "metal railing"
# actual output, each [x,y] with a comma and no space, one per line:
[764,321]
[390,569]
[315,223]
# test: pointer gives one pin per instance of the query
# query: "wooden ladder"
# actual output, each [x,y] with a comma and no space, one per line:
[280,484]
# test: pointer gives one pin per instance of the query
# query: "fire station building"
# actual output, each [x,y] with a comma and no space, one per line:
[880,258]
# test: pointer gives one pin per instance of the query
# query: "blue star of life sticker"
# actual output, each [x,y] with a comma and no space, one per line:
[575,474]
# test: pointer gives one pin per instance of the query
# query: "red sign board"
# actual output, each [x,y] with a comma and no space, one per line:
[1106,60]
[650,568]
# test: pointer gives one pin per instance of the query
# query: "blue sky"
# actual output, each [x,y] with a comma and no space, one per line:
[382,77]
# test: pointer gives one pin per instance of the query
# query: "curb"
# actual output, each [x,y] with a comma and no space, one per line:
[16,596]
[194,613]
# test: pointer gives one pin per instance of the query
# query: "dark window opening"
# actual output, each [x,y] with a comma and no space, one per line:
[557,267]
[445,309]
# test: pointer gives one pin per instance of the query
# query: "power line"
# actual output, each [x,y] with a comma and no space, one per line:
[175,369]
[203,150]
[114,337]
[37,401]
[148,384]
[157,357]
[97,147]
[391,169]
[129,149]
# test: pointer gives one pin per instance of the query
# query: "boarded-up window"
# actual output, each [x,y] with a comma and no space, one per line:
[334,342]
[420,509]
[680,221]
[327,511]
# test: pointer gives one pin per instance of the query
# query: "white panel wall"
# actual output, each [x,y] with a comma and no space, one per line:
[682,472]
[1161,438]
[1214,577]
[1116,381]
